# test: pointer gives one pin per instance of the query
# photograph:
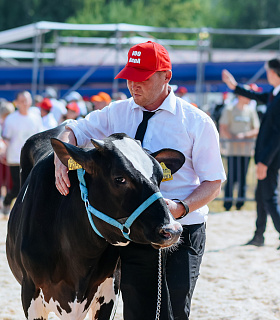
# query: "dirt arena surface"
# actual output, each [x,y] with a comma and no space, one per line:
[236,282]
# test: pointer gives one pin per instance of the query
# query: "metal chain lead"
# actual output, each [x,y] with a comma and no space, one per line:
[159,285]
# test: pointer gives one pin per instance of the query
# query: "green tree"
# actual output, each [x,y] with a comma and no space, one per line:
[164,13]
[240,14]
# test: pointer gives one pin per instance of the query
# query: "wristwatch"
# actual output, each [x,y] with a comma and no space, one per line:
[187,209]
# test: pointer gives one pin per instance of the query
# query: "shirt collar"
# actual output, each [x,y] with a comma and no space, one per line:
[169,104]
[276,90]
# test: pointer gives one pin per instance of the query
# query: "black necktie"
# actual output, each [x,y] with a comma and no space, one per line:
[140,133]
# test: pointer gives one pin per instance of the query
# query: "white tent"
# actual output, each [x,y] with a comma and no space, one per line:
[121,37]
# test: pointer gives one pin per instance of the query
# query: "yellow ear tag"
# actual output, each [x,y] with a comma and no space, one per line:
[73,165]
[166,172]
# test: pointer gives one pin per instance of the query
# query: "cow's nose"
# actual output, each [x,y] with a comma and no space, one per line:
[171,232]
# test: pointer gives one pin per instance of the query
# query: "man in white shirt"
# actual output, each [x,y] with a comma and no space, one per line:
[17,128]
[178,125]
[48,118]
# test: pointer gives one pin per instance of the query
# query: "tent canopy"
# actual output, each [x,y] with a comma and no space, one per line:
[201,49]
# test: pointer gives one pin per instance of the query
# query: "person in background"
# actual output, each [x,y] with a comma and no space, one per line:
[239,122]
[88,103]
[18,127]
[218,109]
[6,108]
[48,118]
[74,96]
[182,92]
[119,96]
[58,107]
[267,150]
[101,100]
[173,123]
[37,100]
[73,111]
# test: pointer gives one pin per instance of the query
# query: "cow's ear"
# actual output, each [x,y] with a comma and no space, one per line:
[173,159]
[65,151]
[98,144]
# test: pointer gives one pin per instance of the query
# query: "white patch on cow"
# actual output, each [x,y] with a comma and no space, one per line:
[135,154]
[37,309]
[24,193]
[121,244]
[40,308]
[171,218]
[106,292]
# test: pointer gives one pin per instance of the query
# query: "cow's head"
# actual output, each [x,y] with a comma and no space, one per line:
[120,176]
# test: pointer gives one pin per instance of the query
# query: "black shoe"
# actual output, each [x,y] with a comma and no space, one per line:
[239,205]
[227,208]
[278,248]
[257,241]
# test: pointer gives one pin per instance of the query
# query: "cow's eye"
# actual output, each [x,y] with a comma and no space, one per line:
[120,180]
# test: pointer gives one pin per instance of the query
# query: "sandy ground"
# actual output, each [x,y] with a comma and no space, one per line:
[236,282]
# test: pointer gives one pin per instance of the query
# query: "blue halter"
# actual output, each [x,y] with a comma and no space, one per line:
[125,228]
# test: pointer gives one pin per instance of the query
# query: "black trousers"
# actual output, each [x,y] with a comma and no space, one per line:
[139,277]
[16,185]
[266,198]
[237,171]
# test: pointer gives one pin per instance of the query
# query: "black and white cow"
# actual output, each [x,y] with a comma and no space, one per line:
[61,263]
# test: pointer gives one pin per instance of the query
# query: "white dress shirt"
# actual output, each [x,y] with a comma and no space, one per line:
[276,90]
[177,125]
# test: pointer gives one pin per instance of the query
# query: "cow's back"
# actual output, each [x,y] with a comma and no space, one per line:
[36,148]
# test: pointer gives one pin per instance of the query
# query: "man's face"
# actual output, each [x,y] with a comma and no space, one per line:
[24,102]
[244,100]
[151,92]
[269,75]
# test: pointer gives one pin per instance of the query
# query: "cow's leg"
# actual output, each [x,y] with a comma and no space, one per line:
[105,301]
[32,301]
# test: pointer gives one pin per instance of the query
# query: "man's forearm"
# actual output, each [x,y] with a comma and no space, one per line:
[203,194]
[68,136]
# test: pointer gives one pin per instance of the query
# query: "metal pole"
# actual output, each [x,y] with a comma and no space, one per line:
[35,68]
[199,76]
[42,70]
[117,62]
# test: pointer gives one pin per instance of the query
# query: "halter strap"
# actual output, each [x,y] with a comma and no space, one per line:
[125,228]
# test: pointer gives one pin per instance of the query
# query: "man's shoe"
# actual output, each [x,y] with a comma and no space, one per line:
[257,241]
[239,205]
[227,208]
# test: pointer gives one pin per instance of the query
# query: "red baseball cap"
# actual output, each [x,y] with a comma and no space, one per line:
[73,106]
[46,104]
[181,90]
[144,60]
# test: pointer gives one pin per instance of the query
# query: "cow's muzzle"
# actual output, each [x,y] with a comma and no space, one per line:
[168,235]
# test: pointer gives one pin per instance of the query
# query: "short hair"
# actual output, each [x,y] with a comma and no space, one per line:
[274,64]
[6,109]
[24,92]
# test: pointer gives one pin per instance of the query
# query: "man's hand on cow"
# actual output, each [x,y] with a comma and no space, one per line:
[176,208]
[62,181]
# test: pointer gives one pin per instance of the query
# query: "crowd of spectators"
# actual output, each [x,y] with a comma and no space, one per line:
[52,111]
[23,117]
